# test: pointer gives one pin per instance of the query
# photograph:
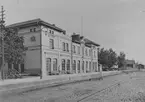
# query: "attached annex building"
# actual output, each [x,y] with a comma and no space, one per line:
[52,52]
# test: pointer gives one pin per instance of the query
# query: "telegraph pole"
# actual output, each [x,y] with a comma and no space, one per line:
[82,25]
[2,37]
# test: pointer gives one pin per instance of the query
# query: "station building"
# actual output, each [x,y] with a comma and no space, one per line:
[51,51]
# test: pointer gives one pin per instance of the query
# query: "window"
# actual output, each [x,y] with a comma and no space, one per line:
[86,52]
[89,52]
[68,65]
[89,66]
[94,54]
[96,66]
[78,50]
[74,49]
[67,47]
[52,32]
[45,32]
[63,46]
[86,65]
[93,66]
[54,64]
[34,29]
[63,64]
[74,66]
[83,51]
[48,65]
[79,67]
[83,66]
[16,66]
[9,66]
[51,41]
[30,30]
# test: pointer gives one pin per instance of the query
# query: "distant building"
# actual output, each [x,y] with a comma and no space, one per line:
[130,63]
[51,51]
[141,66]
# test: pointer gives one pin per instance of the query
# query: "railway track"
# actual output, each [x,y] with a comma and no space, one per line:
[97,93]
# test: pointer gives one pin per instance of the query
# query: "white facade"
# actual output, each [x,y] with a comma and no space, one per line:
[51,51]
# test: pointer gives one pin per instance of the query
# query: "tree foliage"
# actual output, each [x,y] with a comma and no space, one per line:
[14,47]
[121,60]
[108,58]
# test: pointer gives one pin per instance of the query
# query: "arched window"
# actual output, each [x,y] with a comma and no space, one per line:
[68,65]
[83,66]
[54,64]
[48,65]
[89,66]
[79,67]
[93,66]
[96,66]
[63,64]
[74,66]
[86,66]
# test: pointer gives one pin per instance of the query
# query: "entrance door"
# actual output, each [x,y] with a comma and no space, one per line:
[16,66]
[48,66]
[22,68]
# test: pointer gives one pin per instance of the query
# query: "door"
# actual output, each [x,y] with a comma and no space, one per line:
[22,68]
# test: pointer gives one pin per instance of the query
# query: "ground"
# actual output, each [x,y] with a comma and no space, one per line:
[124,88]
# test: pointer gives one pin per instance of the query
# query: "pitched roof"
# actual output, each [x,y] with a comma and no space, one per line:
[77,39]
[34,22]
[129,61]
[87,41]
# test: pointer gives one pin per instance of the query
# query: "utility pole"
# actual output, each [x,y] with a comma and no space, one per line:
[2,37]
[82,25]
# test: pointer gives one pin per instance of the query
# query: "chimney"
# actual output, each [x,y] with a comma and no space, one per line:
[53,24]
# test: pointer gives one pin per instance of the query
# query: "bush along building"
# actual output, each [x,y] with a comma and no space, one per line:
[50,51]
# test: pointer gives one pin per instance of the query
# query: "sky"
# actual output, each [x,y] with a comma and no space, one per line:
[117,24]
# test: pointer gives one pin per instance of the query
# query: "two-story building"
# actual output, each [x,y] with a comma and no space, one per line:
[50,51]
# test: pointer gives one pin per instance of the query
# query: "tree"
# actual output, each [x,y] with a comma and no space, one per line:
[107,58]
[14,47]
[112,58]
[121,60]
[102,57]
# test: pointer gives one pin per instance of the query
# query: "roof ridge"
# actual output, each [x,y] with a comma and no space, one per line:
[24,22]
